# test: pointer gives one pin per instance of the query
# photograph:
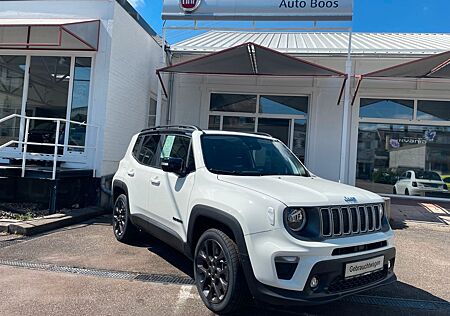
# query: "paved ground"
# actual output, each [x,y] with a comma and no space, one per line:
[82,270]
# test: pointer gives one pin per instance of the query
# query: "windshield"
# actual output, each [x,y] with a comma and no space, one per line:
[427,175]
[249,156]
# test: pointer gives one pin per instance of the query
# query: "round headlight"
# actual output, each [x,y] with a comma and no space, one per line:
[296,219]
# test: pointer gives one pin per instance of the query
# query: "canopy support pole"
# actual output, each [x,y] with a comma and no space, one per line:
[346,116]
[358,85]
[344,83]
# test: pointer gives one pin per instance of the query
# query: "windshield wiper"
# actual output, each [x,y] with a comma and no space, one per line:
[224,172]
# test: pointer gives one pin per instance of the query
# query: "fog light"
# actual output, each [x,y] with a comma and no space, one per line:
[314,282]
[287,259]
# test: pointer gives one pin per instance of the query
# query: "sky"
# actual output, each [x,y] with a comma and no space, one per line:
[396,16]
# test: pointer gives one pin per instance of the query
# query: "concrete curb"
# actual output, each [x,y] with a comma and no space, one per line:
[53,222]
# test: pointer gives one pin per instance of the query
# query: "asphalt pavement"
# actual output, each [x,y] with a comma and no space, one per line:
[83,270]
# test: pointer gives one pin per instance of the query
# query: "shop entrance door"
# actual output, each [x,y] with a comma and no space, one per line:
[48,92]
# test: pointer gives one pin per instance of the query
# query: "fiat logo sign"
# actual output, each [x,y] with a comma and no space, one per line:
[189,5]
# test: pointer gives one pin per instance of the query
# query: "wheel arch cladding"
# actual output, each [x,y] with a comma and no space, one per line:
[119,188]
[205,217]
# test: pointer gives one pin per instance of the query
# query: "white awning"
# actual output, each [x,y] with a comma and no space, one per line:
[49,34]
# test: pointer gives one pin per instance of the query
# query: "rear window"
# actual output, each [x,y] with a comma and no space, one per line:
[148,151]
[428,175]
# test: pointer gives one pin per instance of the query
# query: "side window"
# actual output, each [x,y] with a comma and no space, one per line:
[177,146]
[149,150]
[136,147]
[408,175]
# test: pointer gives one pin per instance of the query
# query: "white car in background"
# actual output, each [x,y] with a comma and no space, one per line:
[419,183]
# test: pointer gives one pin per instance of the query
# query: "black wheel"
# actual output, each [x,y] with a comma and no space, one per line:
[406,192]
[218,272]
[124,230]
[394,191]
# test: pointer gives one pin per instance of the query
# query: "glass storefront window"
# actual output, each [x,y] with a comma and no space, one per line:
[214,122]
[283,117]
[289,105]
[239,124]
[278,128]
[299,144]
[233,103]
[151,122]
[387,109]
[388,151]
[80,102]
[433,110]
[48,92]
[12,74]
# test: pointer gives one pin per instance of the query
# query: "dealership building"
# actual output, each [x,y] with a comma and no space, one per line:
[395,124]
[79,78]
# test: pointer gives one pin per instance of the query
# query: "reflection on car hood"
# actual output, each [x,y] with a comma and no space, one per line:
[302,191]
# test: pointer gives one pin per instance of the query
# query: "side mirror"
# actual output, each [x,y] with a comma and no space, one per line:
[174,165]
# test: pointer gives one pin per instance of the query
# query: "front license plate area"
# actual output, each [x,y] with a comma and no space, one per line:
[359,268]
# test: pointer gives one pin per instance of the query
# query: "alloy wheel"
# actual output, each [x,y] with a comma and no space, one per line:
[212,271]
[119,217]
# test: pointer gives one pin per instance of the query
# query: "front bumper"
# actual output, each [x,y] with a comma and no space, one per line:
[332,284]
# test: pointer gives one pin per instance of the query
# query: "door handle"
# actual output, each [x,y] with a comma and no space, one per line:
[155,181]
[131,173]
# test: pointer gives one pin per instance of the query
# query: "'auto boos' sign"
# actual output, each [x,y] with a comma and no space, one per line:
[258,10]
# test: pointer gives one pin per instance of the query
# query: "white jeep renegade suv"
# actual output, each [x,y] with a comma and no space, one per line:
[251,216]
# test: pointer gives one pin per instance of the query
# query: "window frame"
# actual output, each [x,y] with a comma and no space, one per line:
[413,121]
[72,155]
[292,118]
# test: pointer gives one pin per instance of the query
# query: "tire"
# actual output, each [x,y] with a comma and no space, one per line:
[406,192]
[218,272]
[124,230]
[394,191]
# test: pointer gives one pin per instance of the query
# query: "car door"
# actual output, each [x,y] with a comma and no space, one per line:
[170,193]
[141,171]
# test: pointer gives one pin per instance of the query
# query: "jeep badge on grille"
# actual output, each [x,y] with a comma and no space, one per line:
[350,200]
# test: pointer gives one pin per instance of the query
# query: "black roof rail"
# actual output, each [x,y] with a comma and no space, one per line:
[183,128]
[263,134]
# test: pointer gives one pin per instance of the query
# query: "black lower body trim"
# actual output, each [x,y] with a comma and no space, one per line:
[161,232]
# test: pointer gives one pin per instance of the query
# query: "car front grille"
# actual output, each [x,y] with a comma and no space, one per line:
[344,221]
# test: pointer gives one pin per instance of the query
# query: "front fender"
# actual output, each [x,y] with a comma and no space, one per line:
[248,207]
